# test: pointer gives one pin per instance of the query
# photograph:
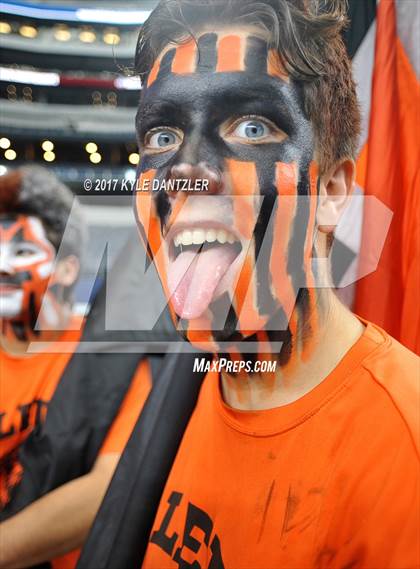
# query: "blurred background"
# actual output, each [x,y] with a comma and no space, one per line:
[69,97]
[68,101]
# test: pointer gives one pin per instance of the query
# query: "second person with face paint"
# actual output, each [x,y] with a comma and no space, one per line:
[52,478]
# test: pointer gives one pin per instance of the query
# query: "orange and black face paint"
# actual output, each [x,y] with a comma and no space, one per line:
[195,88]
[219,53]
[26,278]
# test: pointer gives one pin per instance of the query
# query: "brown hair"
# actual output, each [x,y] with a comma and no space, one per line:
[33,190]
[307,37]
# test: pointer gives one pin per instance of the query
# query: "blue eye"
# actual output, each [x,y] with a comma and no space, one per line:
[252,130]
[162,139]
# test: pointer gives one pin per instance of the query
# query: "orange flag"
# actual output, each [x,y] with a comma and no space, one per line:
[390,296]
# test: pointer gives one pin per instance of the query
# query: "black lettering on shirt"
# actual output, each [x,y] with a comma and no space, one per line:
[195,518]
[160,537]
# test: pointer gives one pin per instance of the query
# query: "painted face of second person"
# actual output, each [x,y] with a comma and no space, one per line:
[232,258]
[26,264]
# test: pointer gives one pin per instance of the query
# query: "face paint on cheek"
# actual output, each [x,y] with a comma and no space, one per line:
[150,224]
[31,273]
[149,221]
[150,229]
[244,184]
[286,185]
[199,333]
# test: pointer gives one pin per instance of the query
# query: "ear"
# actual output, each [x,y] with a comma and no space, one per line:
[336,186]
[67,271]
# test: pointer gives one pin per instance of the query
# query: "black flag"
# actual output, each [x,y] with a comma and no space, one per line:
[120,534]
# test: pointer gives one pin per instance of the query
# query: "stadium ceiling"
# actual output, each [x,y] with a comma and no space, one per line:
[127,14]
[68,121]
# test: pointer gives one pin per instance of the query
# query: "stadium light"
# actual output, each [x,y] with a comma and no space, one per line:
[87,36]
[28,31]
[62,33]
[47,145]
[91,147]
[134,158]
[49,156]
[4,143]
[10,154]
[5,28]
[95,158]
[3,170]
[111,37]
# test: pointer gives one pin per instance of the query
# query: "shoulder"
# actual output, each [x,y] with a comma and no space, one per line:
[395,374]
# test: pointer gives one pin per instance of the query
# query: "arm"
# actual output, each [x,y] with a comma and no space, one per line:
[58,522]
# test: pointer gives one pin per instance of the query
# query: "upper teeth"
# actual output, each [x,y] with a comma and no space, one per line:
[200,236]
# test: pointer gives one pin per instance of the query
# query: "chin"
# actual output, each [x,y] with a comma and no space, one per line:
[217,331]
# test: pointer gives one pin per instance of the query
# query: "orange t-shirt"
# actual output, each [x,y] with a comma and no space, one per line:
[329,481]
[119,434]
[27,384]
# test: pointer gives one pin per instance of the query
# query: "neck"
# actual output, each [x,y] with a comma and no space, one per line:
[18,343]
[339,331]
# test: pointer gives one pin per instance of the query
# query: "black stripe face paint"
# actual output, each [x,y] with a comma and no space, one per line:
[222,109]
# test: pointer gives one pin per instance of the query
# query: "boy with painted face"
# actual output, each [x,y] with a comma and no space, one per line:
[34,208]
[315,465]
[27,263]
[41,243]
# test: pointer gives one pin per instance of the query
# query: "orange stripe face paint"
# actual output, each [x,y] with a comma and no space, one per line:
[275,66]
[151,226]
[244,185]
[199,333]
[286,184]
[185,60]
[153,73]
[218,53]
[230,54]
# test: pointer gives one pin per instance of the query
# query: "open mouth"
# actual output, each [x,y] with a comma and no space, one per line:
[199,260]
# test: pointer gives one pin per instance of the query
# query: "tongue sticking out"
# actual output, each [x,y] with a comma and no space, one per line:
[193,278]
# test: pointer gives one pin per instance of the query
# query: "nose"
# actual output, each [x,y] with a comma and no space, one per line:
[210,175]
